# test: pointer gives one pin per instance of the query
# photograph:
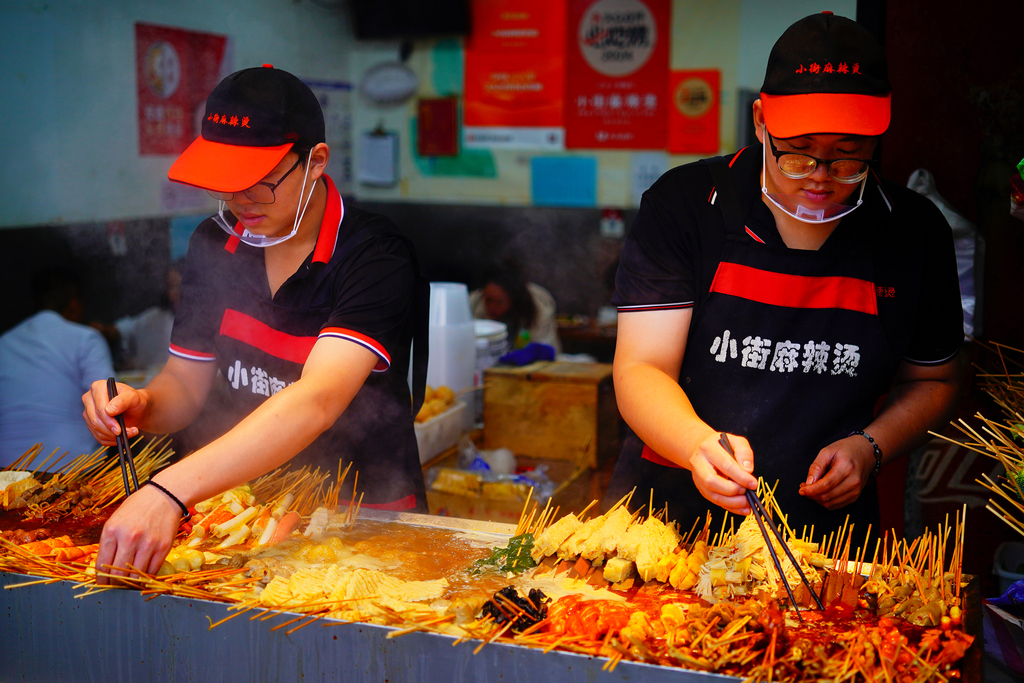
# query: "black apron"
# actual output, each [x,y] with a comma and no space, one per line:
[388,463]
[786,349]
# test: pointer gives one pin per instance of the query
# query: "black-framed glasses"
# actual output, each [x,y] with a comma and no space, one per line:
[260,193]
[796,166]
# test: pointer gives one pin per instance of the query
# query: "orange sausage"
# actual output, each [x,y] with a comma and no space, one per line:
[284,527]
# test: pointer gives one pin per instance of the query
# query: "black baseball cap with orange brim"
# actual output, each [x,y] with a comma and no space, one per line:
[826,74]
[253,118]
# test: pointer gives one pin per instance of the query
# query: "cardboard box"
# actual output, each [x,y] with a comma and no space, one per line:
[504,508]
[554,411]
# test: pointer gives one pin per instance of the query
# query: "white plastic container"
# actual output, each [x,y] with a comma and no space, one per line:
[452,340]
[440,432]
[452,337]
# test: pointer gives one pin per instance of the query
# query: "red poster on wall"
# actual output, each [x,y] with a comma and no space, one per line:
[175,70]
[617,58]
[515,74]
[693,114]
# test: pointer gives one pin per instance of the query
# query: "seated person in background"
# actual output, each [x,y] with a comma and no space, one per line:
[144,338]
[46,363]
[527,308]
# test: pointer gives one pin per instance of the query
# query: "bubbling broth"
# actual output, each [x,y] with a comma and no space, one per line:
[407,552]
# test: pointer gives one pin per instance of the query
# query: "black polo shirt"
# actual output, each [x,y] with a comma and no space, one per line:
[676,240]
[356,285]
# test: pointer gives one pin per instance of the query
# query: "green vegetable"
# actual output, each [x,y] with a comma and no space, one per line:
[515,557]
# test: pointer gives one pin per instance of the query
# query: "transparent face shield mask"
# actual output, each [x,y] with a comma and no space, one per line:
[269,240]
[803,208]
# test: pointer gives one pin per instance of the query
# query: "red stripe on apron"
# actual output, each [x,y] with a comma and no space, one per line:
[649,454]
[795,291]
[258,334]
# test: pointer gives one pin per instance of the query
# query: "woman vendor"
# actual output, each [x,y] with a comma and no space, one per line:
[308,309]
[789,297]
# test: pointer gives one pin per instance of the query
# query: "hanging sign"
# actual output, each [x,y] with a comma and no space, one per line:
[693,119]
[175,71]
[617,55]
[515,75]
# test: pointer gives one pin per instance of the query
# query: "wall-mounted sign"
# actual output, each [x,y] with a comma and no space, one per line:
[515,75]
[437,127]
[693,123]
[617,58]
[175,70]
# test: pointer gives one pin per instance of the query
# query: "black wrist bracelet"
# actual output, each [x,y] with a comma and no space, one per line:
[878,450]
[185,514]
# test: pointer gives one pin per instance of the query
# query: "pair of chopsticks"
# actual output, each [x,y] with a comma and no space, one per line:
[761,515]
[124,452]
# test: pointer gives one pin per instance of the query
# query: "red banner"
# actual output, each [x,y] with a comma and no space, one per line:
[515,74]
[617,55]
[693,115]
[175,70]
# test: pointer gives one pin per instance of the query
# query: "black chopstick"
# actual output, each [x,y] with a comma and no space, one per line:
[124,451]
[760,513]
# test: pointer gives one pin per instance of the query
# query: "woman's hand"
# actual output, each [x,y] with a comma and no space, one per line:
[100,413]
[139,534]
[840,472]
[720,477]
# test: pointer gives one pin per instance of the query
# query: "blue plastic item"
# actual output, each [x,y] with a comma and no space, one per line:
[531,353]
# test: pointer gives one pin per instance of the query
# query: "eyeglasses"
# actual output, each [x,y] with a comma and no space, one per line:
[260,193]
[795,165]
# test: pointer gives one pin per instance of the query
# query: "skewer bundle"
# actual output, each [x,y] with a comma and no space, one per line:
[1001,440]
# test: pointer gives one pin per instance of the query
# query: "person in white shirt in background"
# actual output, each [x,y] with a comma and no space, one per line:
[46,363]
[527,308]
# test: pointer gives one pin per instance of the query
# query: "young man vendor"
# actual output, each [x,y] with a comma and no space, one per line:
[778,294]
[306,306]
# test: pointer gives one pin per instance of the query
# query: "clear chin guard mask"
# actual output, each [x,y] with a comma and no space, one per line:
[268,240]
[803,208]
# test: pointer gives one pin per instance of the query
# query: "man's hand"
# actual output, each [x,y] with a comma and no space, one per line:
[840,472]
[720,477]
[138,534]
[100,414]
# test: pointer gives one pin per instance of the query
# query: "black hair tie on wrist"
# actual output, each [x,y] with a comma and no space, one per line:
[185,514]
[878,450]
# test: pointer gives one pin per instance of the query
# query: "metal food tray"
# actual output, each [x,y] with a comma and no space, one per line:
[49,634]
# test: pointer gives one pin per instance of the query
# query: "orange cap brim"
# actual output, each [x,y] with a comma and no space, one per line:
[225,168]
[788,116]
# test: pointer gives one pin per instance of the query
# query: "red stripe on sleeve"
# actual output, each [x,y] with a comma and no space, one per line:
[190,354]
[795,291]
[258,334]
[363,340]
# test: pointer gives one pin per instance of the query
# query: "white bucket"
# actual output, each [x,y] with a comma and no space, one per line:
[491,344]
[452,338]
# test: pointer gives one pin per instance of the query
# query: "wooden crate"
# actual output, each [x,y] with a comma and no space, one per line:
[551,410]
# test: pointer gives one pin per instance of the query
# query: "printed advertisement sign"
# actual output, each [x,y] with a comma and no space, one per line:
[617,55]
[515,75]
[693,119]
[175,70]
